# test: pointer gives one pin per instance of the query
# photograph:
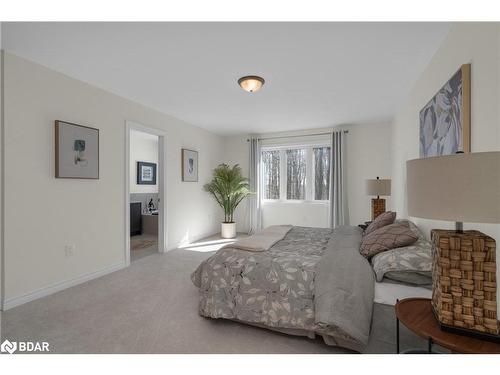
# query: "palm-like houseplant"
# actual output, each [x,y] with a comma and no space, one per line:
[229,188]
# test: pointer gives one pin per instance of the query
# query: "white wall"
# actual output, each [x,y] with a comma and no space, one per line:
[368,156]
[306,214]
[1,175]
[45,213]
[143,147]
[236,152]
[478,44]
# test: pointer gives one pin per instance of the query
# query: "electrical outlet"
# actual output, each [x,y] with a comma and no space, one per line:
[69,250]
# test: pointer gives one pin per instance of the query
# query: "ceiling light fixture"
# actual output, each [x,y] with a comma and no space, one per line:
[251,83]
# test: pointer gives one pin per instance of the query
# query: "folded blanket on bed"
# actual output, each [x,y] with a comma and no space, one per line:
[263,240]
[345,286]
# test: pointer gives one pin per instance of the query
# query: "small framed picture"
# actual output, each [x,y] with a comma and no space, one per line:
[146,173]
[77,151]
[189,165]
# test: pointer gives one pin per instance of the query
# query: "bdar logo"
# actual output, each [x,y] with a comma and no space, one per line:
[8,347]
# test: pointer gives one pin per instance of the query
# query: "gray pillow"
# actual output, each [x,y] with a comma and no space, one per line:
[423,279]
[386,238]
[399,262]
[382,220]
[413,228]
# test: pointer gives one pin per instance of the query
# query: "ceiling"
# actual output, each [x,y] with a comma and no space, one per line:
[317,74]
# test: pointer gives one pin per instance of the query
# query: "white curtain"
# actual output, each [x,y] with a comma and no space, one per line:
[254,201]
[339,210]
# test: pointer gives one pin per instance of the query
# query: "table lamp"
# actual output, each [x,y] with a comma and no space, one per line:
[378,187]
[460,188]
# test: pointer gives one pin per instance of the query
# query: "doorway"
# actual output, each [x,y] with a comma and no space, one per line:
[145,193]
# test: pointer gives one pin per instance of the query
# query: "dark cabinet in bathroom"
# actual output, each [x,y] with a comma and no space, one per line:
[135,218]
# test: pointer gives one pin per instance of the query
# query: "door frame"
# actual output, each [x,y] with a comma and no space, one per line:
[161,178]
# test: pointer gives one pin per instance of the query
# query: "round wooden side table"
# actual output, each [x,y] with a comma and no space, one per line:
[416,314]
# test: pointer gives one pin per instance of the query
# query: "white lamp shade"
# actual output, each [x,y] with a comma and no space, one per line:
[461,187]
[378,187]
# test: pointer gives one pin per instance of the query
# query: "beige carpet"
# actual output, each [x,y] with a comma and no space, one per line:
[151,307]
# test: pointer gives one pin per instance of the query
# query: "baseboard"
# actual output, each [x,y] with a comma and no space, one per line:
[9,303]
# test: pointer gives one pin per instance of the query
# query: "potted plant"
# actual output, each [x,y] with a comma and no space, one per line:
[229,188]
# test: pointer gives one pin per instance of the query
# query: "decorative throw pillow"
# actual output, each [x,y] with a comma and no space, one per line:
[381,221]
[414,228]
[386,238]
[410,261]
[414,258]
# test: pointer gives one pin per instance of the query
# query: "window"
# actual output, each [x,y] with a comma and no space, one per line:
[296,173]
[271,174]
[321,173]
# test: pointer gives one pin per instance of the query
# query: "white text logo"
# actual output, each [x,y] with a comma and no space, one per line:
[24,346]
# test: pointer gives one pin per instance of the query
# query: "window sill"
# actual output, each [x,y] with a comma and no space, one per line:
[273,202]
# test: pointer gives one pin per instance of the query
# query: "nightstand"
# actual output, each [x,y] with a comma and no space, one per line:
[416,314]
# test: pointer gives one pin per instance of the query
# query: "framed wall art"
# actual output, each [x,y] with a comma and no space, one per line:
[146,173]
[445,119]
[77,151]
[189,165]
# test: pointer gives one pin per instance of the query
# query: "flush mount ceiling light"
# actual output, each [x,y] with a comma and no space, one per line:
[251,83]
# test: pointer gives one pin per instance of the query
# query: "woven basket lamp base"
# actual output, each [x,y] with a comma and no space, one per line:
[464,286]
[378,207]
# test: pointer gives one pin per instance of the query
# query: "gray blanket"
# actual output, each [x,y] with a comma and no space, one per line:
[345,286]
[313,281]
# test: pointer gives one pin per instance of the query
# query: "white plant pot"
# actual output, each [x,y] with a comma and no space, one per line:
[228,230]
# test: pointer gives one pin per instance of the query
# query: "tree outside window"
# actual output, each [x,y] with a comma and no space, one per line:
[296,173]
[271,174]
[321,173]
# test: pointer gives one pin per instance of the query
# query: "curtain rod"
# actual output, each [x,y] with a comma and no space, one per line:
[296,136]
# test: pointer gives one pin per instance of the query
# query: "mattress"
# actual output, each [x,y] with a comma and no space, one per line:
[388,293]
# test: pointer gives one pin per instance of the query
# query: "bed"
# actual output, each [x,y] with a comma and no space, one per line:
[295,280]
[388,292]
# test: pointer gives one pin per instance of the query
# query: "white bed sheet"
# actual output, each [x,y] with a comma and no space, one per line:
[387,293]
